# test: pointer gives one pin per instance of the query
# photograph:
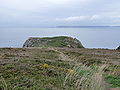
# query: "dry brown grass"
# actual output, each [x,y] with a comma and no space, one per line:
[21,68]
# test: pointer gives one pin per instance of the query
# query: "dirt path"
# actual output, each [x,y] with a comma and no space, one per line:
[62,56]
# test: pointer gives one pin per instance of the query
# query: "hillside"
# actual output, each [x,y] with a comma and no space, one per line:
[59,41]
[59,69]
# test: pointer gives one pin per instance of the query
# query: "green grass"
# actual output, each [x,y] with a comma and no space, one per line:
[57,43]
[57,38]
[113,80]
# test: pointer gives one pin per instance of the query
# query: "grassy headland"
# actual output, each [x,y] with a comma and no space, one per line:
[58,41]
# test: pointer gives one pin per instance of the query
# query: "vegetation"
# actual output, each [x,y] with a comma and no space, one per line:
[113,80]
[60,41]
[59,69]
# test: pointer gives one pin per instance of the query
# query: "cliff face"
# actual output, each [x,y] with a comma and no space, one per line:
[118,48]
[60,41]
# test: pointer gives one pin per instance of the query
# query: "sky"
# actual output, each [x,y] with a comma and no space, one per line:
[40,13]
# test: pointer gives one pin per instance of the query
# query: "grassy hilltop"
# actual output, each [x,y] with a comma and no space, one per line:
[59,69]
[59,41]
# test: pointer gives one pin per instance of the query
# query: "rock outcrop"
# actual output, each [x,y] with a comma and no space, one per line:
[118,48]
[60,41]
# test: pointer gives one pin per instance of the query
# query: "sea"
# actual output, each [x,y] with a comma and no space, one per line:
[90,37]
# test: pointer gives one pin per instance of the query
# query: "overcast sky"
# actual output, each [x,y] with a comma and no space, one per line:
[28,13]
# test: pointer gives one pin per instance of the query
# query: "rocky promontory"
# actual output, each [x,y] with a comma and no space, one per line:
[59,41]
[118,48]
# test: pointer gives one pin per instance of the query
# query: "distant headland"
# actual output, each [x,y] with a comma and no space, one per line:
[59,41]
[85,26]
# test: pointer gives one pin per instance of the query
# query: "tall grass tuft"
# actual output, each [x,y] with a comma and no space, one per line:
[86,77]
[4,82]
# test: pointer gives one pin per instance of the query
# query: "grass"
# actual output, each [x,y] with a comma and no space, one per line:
[54,41]
[57,41]
[77,69]
[113,80]
[85,78]
[59,37]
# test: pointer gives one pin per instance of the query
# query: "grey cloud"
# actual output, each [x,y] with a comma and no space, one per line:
[59,12]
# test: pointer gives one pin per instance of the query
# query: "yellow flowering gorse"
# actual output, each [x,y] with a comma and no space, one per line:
[71,71]
[45,65]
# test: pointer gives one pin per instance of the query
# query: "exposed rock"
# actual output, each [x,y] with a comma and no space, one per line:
[118,48]
[60,41]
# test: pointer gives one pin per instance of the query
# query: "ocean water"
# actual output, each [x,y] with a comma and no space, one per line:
[98,37]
